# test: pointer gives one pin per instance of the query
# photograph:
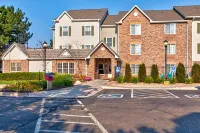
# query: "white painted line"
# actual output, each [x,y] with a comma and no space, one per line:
[171,93]
[188,96]
[5,107]
[107,96]
[72,115]
[69,122]
[98,124]
[131,93]
[54,131]
[37,127]
[79,102]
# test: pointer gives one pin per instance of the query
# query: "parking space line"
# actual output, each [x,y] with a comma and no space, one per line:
[131,93]
[101,96]
[69,122]
[72,115]
[171,93]
[188,96]
[54,131]
[5,106]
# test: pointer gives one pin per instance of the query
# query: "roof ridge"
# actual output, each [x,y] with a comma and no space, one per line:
[88,9]
[186,5]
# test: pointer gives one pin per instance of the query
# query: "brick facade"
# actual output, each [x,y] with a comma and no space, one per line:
[24,65]
[151,40]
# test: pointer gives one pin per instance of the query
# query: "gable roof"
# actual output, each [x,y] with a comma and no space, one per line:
[98,45]
[188,11]
[111,20]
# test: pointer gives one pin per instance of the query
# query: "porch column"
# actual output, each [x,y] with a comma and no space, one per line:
[113,64]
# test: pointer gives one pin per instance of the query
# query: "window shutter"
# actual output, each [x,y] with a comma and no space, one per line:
[92,46]
[60,30]
[83,31]
[82,46]
[92,30]
[198,48]
[69,30]
[105,39]
[60,46]
[113,41]
[70,47]
[198,28]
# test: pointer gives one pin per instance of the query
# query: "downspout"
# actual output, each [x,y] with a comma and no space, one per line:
[187,49]
[118,39]
[99,31]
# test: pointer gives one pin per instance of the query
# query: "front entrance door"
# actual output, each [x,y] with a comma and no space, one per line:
[101,69]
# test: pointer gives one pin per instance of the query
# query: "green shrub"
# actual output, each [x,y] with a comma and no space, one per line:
[41,83]
[180,73]
[127,76]
[149,80]
[172,80]
[154,72]
[135,80]
[120,79]
[21,76]
[195,74]
[62,83]
[160,80]
[142,72]
[188,81]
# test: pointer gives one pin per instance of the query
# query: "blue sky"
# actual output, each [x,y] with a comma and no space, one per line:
[41,12]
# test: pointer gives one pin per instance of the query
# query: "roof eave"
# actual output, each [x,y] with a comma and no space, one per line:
[192,17]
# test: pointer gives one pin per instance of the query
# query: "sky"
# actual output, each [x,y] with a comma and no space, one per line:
[42,12]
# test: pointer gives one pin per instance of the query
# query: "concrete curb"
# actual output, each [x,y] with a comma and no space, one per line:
[167,88]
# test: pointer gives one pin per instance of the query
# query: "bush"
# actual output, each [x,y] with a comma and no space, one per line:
[159,80]
[135,80]
[154,72]
[21,76]
[62,83]
[180,73]
[188,81]
[172,80]
[142,72]
[120,79]
[195,74]
[127,76]
[149,80]
[41,83]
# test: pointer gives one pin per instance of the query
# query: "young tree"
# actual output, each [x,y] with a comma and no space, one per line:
[180,73]
[142,73]
[51,44]
[14,26]
[196,73]
[127,76]
[154,72]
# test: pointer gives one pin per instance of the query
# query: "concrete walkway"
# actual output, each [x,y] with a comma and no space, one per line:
[77,91]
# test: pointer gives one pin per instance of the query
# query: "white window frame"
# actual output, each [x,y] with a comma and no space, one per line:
[170,25]
[85,30]
[170,49]
[134,66]
[65,31]
[107,41]
[140,30]
[87,45]
[135,51]
[67,69]
[15,66]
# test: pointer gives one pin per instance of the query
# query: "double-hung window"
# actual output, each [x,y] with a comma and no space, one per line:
[135,49]
[65,31]
[87,46]
[170,28]
[15,67]
[171,49]
[135,29]
[134,68]
[65,67]
[109,41]
[87,30]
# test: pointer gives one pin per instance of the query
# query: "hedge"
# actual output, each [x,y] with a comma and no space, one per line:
[22,76]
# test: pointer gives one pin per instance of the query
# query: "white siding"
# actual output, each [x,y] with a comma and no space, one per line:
[36,66]
[76,33]
[15,54]
[195,40]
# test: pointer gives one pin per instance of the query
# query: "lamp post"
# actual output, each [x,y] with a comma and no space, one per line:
[165,44]
[45,56]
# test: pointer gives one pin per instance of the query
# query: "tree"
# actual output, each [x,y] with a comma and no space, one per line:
[154,72]
[142,73]
[51,43]
[127,76]
[196,73]
[180,73]
[14,26]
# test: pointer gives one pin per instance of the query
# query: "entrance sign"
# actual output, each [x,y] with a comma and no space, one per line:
[174,68]
[117,69]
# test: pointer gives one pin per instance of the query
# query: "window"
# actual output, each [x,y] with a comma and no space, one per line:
[66,46]
[198,48]
[65,68]
[198,28]
[170,28]
[135,29]
[171,49]
[87,30]
[101,68]
[135,49]
[134,68]
[65,31]
[87,46]
[15,67]
[169,67]
[109,41]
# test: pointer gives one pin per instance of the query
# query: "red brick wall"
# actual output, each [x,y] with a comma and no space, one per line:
[24,65]
[151,40]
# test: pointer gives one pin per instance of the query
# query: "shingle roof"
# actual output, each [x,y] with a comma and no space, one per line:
[163,15]
[88,13]
[188,10]
[110,20]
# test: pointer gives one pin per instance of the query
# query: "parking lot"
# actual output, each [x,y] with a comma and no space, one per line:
[113,111]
